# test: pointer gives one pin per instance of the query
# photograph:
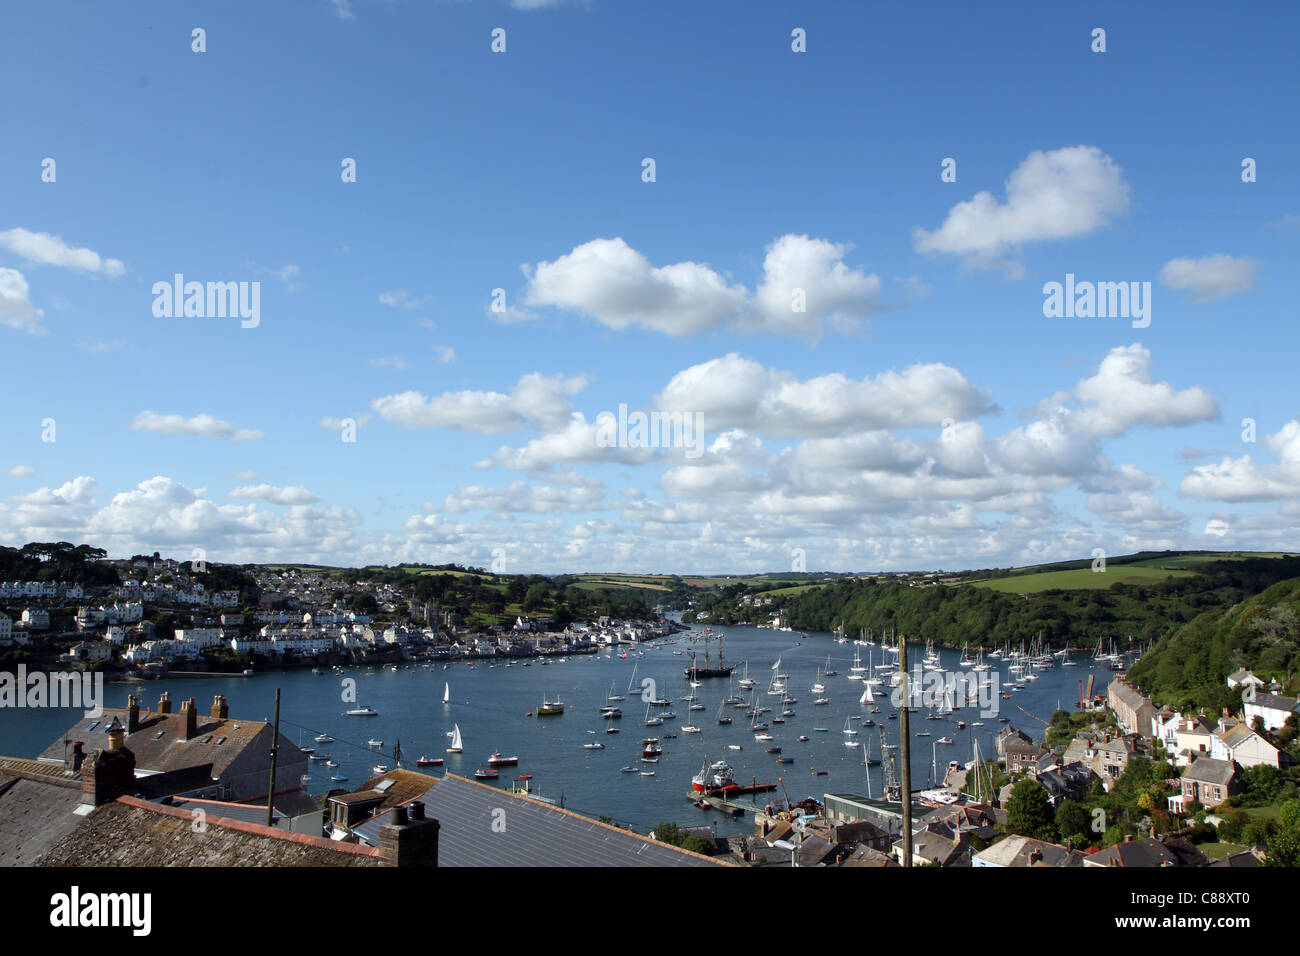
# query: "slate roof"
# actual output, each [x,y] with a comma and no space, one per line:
[1276,702]
[131,832]
[37,809]
[1128,694]
[1015,850]
[159,742]
[1209,770]
[1139,853]
[863,855]
[940,849]
[1241,859]
[534,833]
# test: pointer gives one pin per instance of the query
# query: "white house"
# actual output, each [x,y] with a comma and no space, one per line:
[1194,737]
[36,620]
[1235,741]
[1274,709]
[200,637]
[1241,677]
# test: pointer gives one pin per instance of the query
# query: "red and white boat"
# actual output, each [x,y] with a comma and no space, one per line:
[497,760]
[713,776]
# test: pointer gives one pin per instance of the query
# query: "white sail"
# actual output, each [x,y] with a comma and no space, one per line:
[866,695]
[446,693]
[456,743]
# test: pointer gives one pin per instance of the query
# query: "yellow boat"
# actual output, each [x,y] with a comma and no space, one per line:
[549,708]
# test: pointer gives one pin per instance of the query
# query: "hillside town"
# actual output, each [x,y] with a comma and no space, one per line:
[160,617]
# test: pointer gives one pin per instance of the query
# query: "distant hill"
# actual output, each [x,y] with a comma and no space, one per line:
[1262,632]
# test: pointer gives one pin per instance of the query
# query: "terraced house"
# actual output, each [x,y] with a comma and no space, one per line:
[1133,710]
[236,752]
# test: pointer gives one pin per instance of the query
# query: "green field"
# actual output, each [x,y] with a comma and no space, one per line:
[1196,560]
[1080,579]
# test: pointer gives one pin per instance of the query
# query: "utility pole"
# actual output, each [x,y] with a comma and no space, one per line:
[905,749]
[275,753]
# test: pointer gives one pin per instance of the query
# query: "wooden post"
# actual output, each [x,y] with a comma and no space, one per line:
[905,749]
[275,753]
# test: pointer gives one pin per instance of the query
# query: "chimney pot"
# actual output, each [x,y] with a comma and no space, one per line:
[132,714]
[399,816]
[190,713]
[220,708]
[165,703]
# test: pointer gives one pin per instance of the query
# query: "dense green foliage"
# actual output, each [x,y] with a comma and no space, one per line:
[673,835]
[1029,811]
[959,614]
[1188,666]
[57,561]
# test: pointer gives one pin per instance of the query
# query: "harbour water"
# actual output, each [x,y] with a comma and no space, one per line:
[490,704]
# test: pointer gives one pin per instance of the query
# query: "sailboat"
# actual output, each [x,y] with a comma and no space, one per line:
[612,695]
[818,687]
[632,680]
[723,718]
[457,745]
[866,697]
[655,721]
[446,693]
[746,682]
[828,671]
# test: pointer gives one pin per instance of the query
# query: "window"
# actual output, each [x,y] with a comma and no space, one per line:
[220,741]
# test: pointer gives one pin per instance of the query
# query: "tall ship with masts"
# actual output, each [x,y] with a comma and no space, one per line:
[696,672]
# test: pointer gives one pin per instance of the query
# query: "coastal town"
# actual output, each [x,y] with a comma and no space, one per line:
[1120,780]
[160,617]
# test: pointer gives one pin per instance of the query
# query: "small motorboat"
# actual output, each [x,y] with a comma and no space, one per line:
[647,773]
[380,768]
[361,712]
[338,777]
[497,760]
[594,745]
[774,750]
[429,762]
[785,760]
[735,747]
[628,770]
[802,738]
[324,739]
[485,774]
[372,742]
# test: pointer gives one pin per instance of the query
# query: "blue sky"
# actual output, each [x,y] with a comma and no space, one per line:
[774,171]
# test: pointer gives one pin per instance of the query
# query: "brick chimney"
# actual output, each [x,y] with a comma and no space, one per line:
[165,703]
[111,774]
[1035,855]
[78,756]
[220,709]
[191,718]
[132,714]
[411,839]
